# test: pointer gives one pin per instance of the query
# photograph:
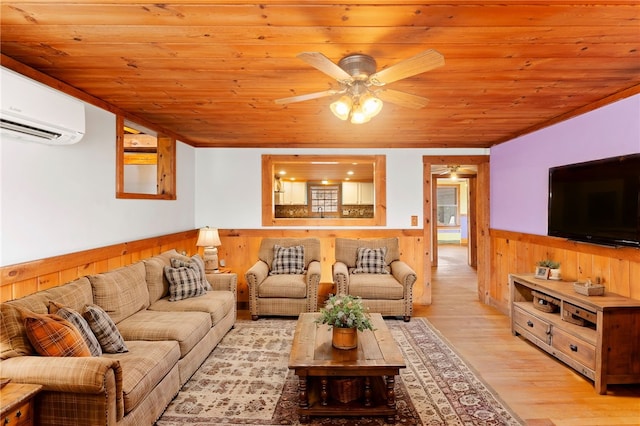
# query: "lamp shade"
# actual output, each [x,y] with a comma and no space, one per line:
[208,237]
[371,105]
[342,107]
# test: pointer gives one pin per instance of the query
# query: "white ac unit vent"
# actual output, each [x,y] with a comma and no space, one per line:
[34,112]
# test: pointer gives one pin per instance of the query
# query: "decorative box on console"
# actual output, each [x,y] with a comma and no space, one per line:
[545,303]
[588,289]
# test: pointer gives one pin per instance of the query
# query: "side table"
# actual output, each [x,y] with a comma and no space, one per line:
[17,403]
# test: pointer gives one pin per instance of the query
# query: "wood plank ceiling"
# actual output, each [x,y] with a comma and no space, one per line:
[209,71]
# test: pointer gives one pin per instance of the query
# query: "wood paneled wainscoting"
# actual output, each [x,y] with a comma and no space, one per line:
[29,277]
[512,252]
[239,250]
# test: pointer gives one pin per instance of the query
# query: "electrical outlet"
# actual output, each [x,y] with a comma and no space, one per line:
[414,220]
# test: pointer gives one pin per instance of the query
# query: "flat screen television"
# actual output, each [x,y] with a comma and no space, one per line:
[596,201]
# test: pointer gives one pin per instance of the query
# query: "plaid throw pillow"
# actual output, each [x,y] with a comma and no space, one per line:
[51,335]
[79,323]
[287,260]
[105,330]
[371,261]
[184,282]
[196,261]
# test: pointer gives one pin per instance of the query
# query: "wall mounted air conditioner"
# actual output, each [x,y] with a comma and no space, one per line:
[34,112]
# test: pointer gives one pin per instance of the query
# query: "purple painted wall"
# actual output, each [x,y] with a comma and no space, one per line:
[520,167]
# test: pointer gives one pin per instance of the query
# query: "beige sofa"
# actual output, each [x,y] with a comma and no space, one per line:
[388,291]
[166,342]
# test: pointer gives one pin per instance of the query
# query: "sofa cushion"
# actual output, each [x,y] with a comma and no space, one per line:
[51,335]
[186,328]
[216,303]
[105,330]
[375,286]
[74,295]
[284,286]
[371,261]
[143,367]
[347,249]
[80,324]
[121,292]
[287,260]
[184,282]
[157,283]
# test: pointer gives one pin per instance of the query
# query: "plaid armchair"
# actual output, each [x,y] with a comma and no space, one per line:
[372,270]
[284,281]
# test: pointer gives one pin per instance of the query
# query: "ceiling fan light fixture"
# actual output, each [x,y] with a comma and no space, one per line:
[371,105]
[342,107]
[358,115]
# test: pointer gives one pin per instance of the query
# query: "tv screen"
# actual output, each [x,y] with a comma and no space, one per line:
[597,201]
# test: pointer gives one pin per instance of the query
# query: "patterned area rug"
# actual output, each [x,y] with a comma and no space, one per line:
[245,381]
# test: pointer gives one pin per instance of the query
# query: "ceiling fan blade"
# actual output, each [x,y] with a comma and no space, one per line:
[324,64]
[306,97]
[422,62]
[401,98]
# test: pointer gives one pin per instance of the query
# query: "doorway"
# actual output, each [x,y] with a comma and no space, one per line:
[478,217]
[453,199]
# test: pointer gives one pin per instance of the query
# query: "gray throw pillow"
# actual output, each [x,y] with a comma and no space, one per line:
[105,330]
[287,260]
[371,261]
[184,282]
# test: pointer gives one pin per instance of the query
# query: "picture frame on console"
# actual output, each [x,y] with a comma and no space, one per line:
[542,273]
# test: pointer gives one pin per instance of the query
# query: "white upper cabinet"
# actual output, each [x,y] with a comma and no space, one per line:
[294,192]
[357,193]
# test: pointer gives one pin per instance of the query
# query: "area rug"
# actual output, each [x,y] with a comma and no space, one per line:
[245,381]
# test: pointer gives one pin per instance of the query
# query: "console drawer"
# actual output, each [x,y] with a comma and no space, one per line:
[577,349]
[533,325]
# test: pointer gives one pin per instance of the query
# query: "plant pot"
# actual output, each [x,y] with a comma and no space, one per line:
[554,274]
[345,338]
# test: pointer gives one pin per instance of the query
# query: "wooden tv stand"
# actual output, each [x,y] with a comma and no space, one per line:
[599,335]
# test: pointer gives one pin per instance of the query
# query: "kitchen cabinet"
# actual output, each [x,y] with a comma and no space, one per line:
[357,193]
[294,193]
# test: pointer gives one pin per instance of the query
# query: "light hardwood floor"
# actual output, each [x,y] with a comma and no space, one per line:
[540,389]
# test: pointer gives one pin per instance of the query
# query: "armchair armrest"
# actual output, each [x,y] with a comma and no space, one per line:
[341,277]
[257,273]
[313,281]
[403,273]
[314,269]
[254,276]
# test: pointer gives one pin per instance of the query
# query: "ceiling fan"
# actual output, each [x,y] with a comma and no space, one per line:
[454,171]
[361,86]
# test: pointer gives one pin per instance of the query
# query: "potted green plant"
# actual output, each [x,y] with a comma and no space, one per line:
[346,315]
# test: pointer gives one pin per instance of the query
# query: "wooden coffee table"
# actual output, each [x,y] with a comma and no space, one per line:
[326,373]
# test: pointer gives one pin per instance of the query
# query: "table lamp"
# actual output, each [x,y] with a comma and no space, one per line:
[210,240]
